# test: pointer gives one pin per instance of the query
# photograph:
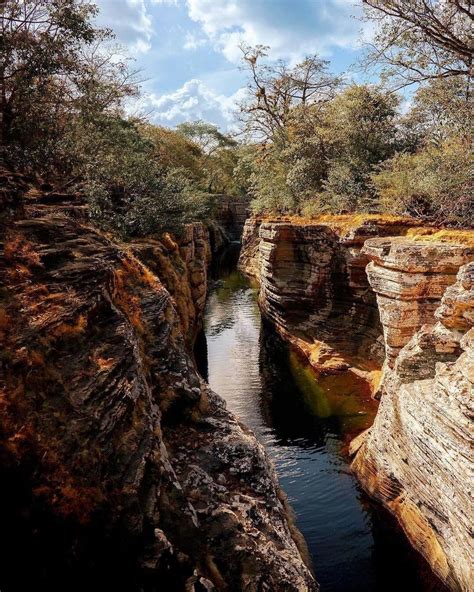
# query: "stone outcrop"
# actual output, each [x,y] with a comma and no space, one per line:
[409,278]
[249,261]
[417,457]
[121,454]
[231,213]
[314,288]
[341,291]
[181,263]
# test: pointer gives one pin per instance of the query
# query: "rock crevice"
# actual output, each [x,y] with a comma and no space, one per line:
[124,455]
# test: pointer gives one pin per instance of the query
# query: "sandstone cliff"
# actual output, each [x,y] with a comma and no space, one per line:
[417,457]
[113,452]
[314,288]
[349,295]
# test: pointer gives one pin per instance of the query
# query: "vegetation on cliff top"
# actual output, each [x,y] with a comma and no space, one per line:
[311,143]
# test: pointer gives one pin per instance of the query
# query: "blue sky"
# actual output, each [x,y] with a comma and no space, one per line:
[187,50]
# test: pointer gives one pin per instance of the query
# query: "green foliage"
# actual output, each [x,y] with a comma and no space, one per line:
[128,188]
[436,183]
[52,70]
[62,118]
[329,154]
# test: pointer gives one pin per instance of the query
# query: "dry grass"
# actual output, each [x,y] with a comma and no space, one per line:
[461,237]
[345,223]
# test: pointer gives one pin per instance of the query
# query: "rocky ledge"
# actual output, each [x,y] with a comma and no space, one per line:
[417,457]
[314,289]
[113,451]
[341,290]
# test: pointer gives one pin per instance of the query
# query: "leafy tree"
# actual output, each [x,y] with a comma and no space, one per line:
[440,110]
[43,73]
[434,184]
[329,154]
[206,135]
[274,89]
[218,154]
[418,40]
[128,189]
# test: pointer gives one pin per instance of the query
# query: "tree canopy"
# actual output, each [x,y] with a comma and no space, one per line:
[309,141]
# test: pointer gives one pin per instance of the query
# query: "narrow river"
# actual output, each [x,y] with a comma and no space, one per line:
[305,428]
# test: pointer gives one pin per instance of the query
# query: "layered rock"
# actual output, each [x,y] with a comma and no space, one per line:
[409,277]
[181,263]
[314,288]
[325,285]
[417,457]
[249,261]
[231,213]
[119,450]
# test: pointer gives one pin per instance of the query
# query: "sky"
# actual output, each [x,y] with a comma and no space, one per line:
[188,55]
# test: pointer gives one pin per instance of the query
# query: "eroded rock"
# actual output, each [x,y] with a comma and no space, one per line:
[417,457]
[112,430]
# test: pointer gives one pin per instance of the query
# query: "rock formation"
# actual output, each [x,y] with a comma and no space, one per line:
[124,457]
[314,288]
[409,277]
[417,457]
[181,264]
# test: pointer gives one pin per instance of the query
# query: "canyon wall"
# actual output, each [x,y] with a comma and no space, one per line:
[117,460]
[417,457]
[342,289]
[314,288]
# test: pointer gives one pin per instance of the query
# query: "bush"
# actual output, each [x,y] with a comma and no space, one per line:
[434,184]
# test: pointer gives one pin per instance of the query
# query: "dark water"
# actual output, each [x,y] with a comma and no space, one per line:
[305,427]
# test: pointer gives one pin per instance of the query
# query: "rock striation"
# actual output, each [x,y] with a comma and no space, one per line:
[403,297]
[122,455]
[181,263]
[314,289]
[417,457]
[409,278]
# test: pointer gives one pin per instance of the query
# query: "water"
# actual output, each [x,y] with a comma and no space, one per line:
[305,427]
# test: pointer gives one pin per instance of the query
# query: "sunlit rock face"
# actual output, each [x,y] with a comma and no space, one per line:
[181,263]
[409,279]
[338,294]
[249,261]
[417,457]
[120,451]
[314,288]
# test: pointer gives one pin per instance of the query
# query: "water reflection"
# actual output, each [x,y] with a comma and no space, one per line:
[305,426]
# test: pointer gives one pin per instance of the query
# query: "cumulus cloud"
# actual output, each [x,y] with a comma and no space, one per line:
[194,100]
[292,29]
[130,21]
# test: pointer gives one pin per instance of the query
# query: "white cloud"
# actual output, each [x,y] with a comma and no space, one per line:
[194,100]
[291,28]
[130,21]
[192,41]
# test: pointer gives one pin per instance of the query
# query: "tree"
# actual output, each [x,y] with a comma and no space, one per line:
[218,153]
[128,189]
[418,40]
[274,89]
[435,184]
[56,68]
[206,135]
[440,110]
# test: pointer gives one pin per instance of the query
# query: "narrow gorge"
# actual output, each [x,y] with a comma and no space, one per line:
[384,304]
[120,467]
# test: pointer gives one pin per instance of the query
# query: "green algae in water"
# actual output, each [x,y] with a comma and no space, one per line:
[344,395]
